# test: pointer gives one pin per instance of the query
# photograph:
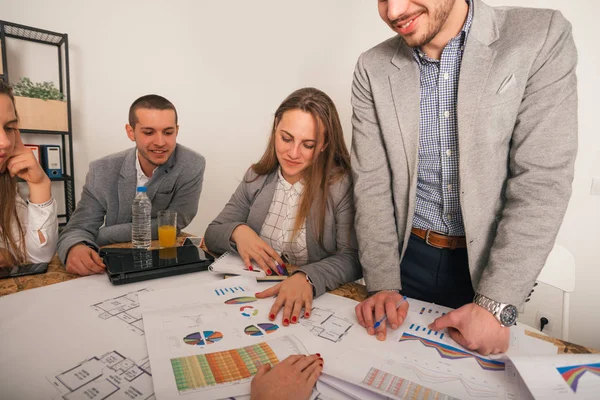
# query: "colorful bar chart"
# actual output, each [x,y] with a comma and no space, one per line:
[453,353]
[401,388]
[421,329]
[229,290]
[573,373]
[196,372]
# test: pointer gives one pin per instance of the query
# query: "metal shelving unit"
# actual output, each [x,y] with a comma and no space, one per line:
[61,42]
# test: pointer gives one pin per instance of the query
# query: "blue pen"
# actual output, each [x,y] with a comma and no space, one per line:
[382,320]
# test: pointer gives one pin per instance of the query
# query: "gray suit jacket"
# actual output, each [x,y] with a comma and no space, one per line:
[517,131]
[328,267]
[103,214]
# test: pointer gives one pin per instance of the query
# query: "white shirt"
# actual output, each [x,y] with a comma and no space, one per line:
[34,218]
[279,224]
[142,179]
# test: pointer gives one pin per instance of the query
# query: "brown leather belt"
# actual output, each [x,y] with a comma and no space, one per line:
[439,240]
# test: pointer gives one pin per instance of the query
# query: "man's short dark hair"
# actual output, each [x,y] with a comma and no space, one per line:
[150,102]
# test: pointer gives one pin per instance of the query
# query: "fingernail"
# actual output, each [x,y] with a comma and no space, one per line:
[256,294]
[318,355]
[269,272]
[250,268]
[370,331]
[286,321]
[306,315]
[294,319]
[380,336]
[272,317]
[394,326]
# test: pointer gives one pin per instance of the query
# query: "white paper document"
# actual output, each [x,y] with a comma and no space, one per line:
[207,341]
[565,376]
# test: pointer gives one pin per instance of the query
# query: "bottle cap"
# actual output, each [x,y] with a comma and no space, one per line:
[142,189]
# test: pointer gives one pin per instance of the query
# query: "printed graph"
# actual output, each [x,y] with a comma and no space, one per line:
[241,300]
[200,371]
[260,329]
[573,373]
[452,353]
[401,388]
[229,290]
[248,311]
[200,339]
[425,330]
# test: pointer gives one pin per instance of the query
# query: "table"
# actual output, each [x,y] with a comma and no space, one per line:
[57,273]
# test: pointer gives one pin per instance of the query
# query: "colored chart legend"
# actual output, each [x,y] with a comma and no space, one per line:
[229,290]
[425,330]
[260,329]
[401,388]
[452,353]
[573,373]
[195,372]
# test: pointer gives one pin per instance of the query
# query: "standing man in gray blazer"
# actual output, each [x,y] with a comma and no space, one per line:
[172,173]
[464,140]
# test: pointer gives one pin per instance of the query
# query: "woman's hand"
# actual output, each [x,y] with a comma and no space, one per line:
[251,247]
[291,379]
[293,294]
[22,163]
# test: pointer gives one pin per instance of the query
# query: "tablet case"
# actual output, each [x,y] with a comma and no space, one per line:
[135,265]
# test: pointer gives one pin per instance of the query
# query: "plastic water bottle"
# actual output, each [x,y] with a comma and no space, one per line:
[141,227]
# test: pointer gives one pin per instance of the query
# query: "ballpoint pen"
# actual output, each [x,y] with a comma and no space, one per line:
[382,320]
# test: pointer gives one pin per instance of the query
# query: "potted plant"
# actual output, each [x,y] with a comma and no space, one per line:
[40,106]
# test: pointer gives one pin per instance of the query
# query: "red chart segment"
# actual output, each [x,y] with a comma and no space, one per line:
[241,300]
[248,311]
[260,329]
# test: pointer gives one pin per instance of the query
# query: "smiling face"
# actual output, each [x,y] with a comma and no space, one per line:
[155,135]
[8,129]
[296,143]
[417,21]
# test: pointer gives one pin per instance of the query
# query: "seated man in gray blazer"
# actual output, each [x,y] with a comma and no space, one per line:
[464,141]
[172,173]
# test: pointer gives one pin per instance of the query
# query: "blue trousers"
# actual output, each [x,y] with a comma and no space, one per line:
[438,276]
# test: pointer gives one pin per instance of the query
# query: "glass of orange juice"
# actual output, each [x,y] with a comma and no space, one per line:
[167,228]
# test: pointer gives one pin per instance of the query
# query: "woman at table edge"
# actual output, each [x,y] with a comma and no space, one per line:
[296,201]
[28,230]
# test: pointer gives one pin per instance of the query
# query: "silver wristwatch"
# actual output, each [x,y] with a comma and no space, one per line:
[506,314]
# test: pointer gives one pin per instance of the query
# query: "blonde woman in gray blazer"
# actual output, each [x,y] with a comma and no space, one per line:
[296,202]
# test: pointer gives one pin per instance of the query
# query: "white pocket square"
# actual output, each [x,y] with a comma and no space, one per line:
[506,83]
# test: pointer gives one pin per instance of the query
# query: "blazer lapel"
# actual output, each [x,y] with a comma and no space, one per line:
[478,58]
[159,178]
[404,85]
[127,186]
[261,203]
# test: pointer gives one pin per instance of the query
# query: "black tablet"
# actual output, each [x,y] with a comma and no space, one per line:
[20,270]
[134,265]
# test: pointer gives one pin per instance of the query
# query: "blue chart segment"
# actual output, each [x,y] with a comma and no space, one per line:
[229,290]
[425,330]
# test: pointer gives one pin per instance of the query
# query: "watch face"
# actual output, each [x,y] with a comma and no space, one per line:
[508,316]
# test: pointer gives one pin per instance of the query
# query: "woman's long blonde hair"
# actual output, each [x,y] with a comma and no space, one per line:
[328,166]
[15,253]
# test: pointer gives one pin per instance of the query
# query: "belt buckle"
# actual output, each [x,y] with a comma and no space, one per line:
[427,238]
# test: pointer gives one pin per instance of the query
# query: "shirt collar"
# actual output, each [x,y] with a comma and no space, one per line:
[421,57]
[297,187]
[138,168]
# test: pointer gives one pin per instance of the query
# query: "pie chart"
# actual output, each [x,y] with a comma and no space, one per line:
[260,329]
[200,339]
[248,311]
[241,300]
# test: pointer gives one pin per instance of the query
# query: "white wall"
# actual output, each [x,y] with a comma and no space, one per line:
[227,65]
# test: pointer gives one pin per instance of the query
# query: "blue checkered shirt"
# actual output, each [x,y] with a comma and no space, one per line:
[438,200]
